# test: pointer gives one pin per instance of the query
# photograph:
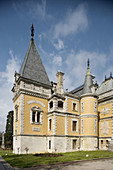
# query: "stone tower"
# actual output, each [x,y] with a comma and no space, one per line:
[89,114]
[31,90]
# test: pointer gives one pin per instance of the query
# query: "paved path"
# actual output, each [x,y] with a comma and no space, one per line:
[4,165]
[103,164]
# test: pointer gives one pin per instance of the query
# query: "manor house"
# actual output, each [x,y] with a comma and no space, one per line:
[49,119]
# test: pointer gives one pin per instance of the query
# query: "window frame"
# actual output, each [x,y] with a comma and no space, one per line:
[73,104]
[38,115]
[95,126]
[82,126]
[49,143]
[95,106]
[50,104]
[74,120]
[49,129]
[74,140]
[16,113]
[62,104]
[82,107]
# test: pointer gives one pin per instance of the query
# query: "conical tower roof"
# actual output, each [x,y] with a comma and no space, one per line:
[88,80]
[32,67]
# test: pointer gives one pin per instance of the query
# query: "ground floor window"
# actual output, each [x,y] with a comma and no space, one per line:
[49,144]
[106,143]
[74,144]
[101,143]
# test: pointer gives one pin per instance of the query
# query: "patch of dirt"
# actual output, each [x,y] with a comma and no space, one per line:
[48,155]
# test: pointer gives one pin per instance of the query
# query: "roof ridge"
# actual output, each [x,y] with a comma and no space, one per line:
[41,60]
[25,60]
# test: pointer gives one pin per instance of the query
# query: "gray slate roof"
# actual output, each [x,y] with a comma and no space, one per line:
[32,67]
[106,86]
[87,85]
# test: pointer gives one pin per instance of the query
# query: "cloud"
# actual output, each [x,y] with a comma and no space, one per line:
[76,66]
[35,9]
[38,10]
[59,45]
[6,84]
[74,22]
[57,60]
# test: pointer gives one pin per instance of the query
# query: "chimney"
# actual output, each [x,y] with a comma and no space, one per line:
[59,82]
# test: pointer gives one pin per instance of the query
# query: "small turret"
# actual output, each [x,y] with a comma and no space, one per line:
[88,80]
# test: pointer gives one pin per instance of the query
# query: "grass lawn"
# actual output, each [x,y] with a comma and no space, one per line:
[30,160]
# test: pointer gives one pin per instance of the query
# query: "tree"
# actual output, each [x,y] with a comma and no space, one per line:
[0,138]
[9,130]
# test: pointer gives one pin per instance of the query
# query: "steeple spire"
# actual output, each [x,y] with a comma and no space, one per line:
[88,69]
[110,74]
[32,32]
[88,63]
[88,80]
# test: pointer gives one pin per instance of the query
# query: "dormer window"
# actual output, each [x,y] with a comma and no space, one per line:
[60,104]
[51,104]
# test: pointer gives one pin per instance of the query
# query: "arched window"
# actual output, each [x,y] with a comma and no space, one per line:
[36,115]
[60,104]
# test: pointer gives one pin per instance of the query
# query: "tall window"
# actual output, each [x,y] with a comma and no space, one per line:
[106,143]
[60,104]
[16,111]
[74,106]
[49,144]
[36,115]
[74,125]
[82,107]
[74,144]
[95,106]
[51,104]
[82,126]
[50,124]
[95,125]
[101,143]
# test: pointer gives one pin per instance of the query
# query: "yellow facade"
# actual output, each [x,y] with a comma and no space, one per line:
[49,119]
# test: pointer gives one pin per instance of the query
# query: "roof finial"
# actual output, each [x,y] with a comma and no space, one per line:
[105,77]
[32,32]
[88,63]
[88,69]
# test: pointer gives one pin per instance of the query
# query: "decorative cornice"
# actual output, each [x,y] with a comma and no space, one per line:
[88,136]
[63,113]
[105,99]
[88,95]
[105,118]
[21,91]
[88,115]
